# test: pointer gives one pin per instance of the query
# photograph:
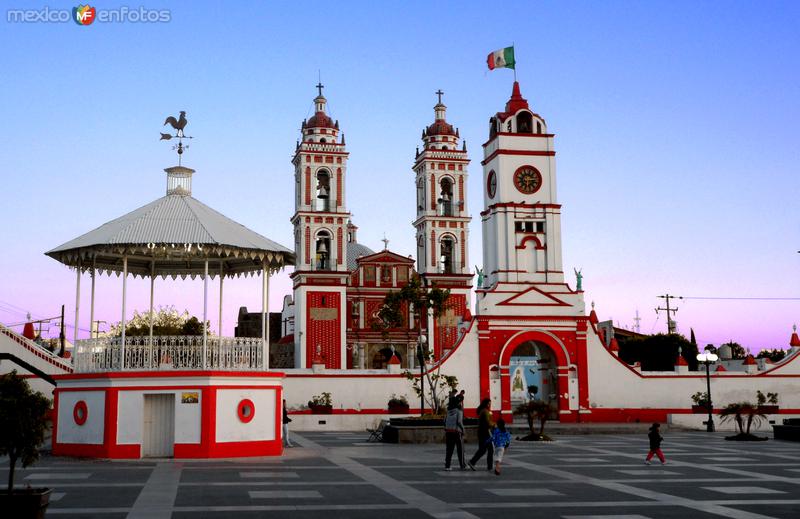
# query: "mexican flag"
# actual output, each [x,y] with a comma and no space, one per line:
[503,58]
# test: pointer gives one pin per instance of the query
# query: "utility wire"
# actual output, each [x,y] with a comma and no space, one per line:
[744,298]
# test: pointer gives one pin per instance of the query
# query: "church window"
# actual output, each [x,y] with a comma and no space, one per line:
[421,195]
[369,274]
[446,197]
[447,257]
[323,251]
[323,190]
[539,226]
[322,140]
[538,127]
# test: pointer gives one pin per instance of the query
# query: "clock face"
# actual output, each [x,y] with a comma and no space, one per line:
[527,180]
[491,184]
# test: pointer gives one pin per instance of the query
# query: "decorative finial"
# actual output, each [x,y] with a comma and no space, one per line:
[320,86]
[178,125]
[440,94]
[794,327]
[385,242]
[592,305]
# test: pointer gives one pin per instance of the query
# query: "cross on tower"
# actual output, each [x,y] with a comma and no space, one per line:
[320,86]
[385,243]
[440,94]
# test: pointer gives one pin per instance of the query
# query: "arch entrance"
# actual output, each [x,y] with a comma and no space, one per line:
[533,375]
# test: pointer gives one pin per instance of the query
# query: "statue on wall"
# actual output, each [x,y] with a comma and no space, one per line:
[579,278]
[479,272]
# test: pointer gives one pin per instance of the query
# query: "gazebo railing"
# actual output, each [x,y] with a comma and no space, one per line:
[168,352]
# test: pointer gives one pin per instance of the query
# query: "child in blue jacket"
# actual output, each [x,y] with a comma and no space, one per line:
[500,439]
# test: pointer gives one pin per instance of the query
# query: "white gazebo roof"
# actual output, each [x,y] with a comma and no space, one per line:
[173,236]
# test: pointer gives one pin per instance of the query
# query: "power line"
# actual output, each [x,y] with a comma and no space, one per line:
[670,321]
[744,298]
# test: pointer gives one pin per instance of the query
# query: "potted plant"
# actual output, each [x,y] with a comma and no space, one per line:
[398,405]
[23,421]
[535,410]
[700,400]
[321,404]
[767,404]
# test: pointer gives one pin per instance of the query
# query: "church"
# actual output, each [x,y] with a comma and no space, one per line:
[528,335]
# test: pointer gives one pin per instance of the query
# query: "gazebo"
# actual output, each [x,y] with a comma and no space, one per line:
[174,236]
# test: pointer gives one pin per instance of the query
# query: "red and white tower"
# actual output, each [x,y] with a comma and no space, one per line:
[320,229]
[442,223]
[525,308]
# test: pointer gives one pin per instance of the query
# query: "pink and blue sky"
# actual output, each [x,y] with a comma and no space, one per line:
[676,134]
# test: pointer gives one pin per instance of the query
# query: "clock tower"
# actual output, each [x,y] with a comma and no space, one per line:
[442,223]
[522,220]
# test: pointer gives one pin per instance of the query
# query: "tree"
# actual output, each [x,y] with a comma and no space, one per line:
[397,305]
[774,354]
[744,414]
[659,352]
[166,321]
[23,421]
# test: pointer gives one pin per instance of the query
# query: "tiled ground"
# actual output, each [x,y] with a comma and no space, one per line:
[339,475]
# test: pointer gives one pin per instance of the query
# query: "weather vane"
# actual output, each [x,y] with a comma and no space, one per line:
[178,125]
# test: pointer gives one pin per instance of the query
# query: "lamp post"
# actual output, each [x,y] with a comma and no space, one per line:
[421,340]
[707,359]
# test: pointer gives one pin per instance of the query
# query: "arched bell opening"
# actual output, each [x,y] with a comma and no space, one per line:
[322,201]
[322,251]
[446,197]
[448,255]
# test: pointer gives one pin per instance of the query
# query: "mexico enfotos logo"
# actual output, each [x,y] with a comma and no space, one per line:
[87,15]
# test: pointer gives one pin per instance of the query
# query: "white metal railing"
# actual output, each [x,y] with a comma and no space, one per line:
[168,352]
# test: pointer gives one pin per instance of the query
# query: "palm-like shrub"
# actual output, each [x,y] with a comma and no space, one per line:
[744,414]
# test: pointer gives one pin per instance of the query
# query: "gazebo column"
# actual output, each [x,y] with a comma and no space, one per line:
[221,278]
[124,301]
[264,312]
[91,304]
[77,304]
[152,290]
[205,313]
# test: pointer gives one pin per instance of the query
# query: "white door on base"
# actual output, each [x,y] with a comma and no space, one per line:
[159,426]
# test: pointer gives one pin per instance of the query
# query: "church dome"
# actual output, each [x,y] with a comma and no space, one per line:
[320,120]
[440,127]
[355,251]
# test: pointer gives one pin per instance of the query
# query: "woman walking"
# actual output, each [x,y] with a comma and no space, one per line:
[655,444]
[485,426]
[286,421]
[454,433]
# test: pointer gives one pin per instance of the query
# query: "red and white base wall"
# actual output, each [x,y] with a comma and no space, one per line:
[191,414]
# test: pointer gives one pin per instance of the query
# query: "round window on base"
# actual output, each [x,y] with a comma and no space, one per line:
[80,413]
[246,410]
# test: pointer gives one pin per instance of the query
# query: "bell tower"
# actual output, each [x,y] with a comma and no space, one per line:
[522,220]
[320,228]
[442,222]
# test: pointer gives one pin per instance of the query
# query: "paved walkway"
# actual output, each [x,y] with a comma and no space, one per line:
[339,475]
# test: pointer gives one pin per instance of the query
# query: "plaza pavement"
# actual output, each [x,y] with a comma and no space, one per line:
[340,475]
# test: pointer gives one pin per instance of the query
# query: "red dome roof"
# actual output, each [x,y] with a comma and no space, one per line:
[320,120]
[440,127]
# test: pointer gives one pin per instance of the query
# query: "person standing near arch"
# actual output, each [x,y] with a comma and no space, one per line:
[485,426]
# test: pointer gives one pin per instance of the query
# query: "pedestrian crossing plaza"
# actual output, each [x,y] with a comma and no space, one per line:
[339,474]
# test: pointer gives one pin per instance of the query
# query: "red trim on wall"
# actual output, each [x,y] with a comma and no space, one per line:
[517,152]
[169,374]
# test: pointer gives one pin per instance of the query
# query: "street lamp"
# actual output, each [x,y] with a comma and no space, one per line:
[421,340]
[707,358]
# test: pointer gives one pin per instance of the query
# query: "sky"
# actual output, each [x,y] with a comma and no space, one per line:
[675,122]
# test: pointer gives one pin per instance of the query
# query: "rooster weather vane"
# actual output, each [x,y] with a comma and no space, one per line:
[178,125]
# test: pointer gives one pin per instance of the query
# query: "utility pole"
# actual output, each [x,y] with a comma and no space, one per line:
[637,320]
[61,335]
[670,311]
